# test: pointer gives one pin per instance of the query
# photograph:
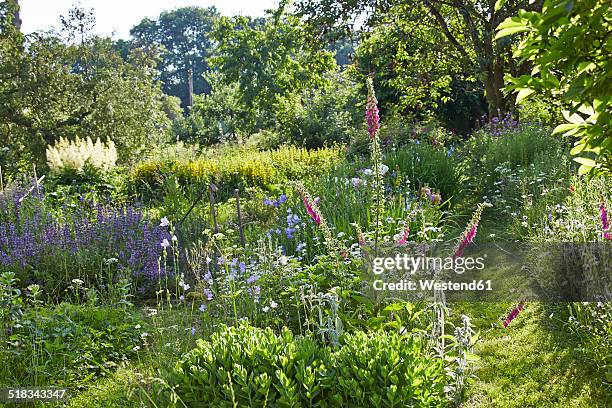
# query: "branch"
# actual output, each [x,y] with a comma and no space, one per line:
[436,13]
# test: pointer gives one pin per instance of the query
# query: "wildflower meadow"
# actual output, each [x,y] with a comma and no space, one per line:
[291,210]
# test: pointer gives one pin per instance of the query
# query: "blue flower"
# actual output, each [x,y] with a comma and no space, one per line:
[289,231]
[282,198]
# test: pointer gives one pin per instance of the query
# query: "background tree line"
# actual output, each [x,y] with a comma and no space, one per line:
[290,77]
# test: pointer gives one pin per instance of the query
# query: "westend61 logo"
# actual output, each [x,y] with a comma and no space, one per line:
[409,265]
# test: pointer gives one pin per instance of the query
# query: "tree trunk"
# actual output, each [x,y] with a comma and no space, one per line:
[16,17]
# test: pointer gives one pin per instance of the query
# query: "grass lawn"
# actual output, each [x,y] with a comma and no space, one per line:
[532,363]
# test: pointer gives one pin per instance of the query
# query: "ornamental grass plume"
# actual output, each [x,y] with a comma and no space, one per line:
[470,232]
[75,155]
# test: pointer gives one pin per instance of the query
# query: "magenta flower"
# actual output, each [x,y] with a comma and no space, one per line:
[311,208]
[605,224]
[512,315]
[372,118]
[470,232]
[402,240]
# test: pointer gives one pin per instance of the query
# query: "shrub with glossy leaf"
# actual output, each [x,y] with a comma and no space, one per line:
[246,366]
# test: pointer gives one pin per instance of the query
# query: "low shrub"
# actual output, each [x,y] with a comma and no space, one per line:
[246,366]
[235,168]
[67,345]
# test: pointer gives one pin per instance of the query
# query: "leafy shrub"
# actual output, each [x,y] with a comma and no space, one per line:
[253,367]
[67,345]
[235,168]
[320,117]
[425,165]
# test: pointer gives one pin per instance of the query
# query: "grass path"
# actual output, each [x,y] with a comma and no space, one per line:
[533,363]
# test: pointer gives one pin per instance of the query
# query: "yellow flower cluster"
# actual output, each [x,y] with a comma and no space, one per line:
[241,167]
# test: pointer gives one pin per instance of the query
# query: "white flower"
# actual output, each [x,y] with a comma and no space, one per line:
[164,222]
[174,238]
[273,304]
[165,243]
[202,307]
[367,172]
[265,309]
[383,169]
[77,282]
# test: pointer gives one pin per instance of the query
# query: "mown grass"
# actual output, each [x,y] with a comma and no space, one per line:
[533,363]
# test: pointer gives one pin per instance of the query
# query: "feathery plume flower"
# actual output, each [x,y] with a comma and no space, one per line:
[372,118]
[470,232]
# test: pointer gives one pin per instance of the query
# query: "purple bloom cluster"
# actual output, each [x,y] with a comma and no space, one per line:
[275,202]
[500,124]
[32,233]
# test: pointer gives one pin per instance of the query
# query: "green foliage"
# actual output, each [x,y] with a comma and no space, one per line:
[254,367]
[322,116]
[517,147]
[399,51]
[66,345]
[569,45]
[421,165]
[235,168]
[183,39]
[55,88]
[217,117]
[269,63]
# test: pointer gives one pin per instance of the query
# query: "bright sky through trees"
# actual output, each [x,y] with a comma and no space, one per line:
[118,16]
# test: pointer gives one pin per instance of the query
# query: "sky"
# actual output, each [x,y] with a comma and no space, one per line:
[116,17]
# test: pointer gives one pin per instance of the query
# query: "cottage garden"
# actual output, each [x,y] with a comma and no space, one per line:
[239,274]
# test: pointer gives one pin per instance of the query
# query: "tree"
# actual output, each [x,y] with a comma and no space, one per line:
[268,63]
[467,26]
[52,89]
[183,39]
[569,45]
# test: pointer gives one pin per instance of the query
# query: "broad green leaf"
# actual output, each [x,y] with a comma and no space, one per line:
[523,94]
[499,4]
[511,30]
[565,127]
[572,118]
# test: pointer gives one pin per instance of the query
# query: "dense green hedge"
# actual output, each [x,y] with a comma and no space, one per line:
[234,168]
[246,366]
